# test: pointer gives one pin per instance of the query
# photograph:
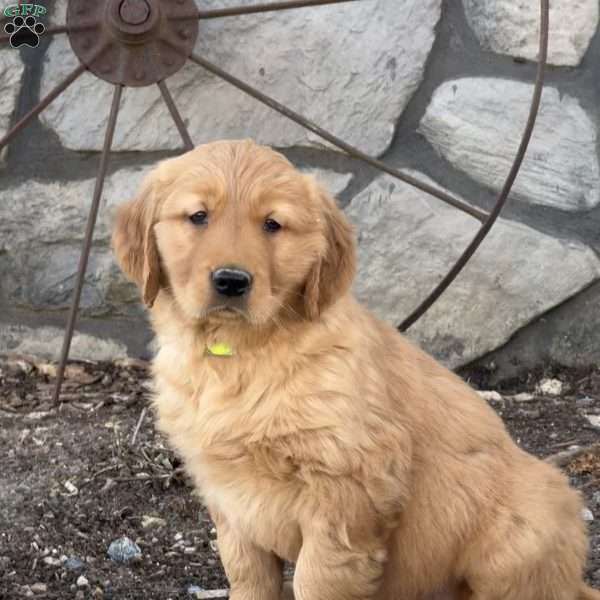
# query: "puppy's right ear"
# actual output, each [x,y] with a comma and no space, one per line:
[134,242]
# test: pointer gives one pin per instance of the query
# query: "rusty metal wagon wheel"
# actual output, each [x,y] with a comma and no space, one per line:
[143,42]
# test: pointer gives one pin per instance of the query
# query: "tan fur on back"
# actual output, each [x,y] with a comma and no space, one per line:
[328,439]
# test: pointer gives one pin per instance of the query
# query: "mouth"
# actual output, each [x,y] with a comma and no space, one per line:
[225,311]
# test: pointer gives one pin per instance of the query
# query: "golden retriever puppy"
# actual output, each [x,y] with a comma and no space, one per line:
[314,432]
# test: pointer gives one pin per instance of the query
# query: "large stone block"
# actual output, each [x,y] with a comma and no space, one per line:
[352,68]
[477,124]
[41,230]
[46,342]
[409,240]
[510,27]
[11,75]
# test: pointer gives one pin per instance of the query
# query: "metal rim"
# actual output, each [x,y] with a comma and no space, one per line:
[78,25]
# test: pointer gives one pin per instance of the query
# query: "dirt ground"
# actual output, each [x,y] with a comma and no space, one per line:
[73,481]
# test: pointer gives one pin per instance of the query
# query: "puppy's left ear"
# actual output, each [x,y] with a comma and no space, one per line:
[332,275]
[134,242]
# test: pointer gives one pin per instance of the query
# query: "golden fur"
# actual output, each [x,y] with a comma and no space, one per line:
[327,439]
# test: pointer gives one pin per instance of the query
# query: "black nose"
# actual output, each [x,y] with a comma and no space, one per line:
[229,281]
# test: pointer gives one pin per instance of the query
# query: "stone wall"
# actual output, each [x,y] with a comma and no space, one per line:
[440,89]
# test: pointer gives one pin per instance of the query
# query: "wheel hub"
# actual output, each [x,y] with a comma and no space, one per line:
[132,42]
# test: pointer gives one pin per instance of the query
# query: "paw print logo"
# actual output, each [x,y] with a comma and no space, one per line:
[24,32]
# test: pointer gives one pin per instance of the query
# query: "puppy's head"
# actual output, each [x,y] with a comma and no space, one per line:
[233,230]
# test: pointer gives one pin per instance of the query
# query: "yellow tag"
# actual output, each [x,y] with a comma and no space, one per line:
[219,349]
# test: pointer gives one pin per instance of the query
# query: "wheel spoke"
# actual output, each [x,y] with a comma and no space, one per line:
[503,197]
[185,136]
[41,105]
[236,11]
[87,242]
[351,150]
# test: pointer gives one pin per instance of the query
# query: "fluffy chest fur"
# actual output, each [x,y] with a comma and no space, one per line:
[259,432]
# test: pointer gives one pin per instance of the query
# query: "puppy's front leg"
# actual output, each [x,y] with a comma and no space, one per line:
[333,566]
[253,573]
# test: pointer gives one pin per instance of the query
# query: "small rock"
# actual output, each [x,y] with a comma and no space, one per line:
[178,537]
[197,592]
[534,413]
[78,374]
[80,595]
[523,397]
[594,420]
[124,550]
[491,396]
[98,594]
[131,363]
[596,498]
[72,489]
[47,369]
[82,581]
[52,561]
[73,564]
[587,515]
[149,522]
[584,402]
[39,588]
[550,387]
[214,546]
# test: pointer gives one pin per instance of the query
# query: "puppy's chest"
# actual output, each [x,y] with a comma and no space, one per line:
[232,447]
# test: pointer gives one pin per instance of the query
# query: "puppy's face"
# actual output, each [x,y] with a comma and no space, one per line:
[232,231]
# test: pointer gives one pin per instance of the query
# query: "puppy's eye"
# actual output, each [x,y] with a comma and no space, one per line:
[199,218]
[271,226]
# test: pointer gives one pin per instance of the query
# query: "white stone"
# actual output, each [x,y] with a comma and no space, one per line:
[150,522]
[512,28]
[11,76]
[351,68]
[523,397]
[477,124]
[409,240]
[490,396]
[82,581]
[587,515]
[550,387]
[594,420]
[200,594]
